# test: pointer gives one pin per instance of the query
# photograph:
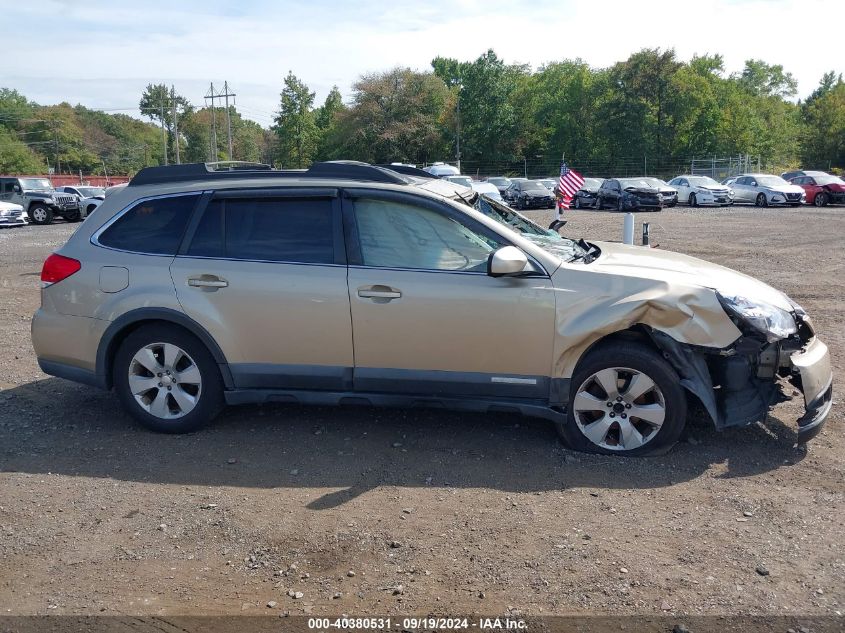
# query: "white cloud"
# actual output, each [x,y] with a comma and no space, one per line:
[102,55]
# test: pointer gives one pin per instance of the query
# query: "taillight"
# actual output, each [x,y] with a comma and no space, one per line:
[58,267]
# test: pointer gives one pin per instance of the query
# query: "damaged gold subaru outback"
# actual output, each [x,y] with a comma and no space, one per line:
[202,285]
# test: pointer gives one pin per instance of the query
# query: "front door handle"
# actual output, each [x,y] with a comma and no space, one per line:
[383,293]
[207,281]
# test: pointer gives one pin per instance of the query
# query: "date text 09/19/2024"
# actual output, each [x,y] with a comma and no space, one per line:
[420,623]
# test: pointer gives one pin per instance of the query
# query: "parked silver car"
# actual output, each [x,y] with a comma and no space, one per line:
[766,190]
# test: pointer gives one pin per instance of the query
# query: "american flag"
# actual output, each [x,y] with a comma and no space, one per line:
[569,183]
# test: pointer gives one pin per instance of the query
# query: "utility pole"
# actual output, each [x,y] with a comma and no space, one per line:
[459,127]
[213,136]
[226,96]
[56,139]
[175,124]
[163,132]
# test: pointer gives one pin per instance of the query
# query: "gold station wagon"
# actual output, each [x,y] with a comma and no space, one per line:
[202,285]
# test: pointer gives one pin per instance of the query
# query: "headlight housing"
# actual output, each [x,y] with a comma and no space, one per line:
[773,322]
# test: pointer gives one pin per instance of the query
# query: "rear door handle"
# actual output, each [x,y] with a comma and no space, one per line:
[207,281]
[379,292]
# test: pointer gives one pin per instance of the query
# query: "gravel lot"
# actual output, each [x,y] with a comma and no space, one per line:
[361,511]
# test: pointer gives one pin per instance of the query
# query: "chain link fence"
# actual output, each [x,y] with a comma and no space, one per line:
[716,167]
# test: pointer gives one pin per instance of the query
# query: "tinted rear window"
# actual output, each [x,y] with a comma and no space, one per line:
[266,229]
[151,226]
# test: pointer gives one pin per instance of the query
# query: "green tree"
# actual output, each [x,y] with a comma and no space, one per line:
[295,127]
[762,79]
[397,115]
[823,142]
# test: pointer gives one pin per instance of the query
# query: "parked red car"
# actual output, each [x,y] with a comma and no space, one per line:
[822,189]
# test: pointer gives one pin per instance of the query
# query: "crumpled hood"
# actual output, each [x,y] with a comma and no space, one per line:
[670,267]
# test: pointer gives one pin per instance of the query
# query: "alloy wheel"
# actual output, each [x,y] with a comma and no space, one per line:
[39,214]
[164,380]
[619,409]
[820,200]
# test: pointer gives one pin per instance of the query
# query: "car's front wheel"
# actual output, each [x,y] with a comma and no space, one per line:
[820,200]
[693,201]
[167,379]
[620,206]
[40,214]
[761,200]
[625,400]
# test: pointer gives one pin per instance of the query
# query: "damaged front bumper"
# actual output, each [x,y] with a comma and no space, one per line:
[739,385]
[813,375]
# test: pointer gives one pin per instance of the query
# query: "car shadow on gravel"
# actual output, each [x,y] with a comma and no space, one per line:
[53,426]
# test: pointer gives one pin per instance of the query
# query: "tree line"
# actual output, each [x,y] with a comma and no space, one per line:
[651,107]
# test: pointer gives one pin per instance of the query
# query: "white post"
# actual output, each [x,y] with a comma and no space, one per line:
[628,229]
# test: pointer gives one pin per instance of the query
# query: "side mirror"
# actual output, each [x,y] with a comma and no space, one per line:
[17,188]
[508,260]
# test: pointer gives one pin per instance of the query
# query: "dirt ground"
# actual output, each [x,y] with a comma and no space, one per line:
[366,512]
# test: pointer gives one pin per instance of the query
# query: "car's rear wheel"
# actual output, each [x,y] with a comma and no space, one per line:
[761,200]
[90,209]
[598,204]
[693,201]
[167,379]
[619,204]
[40,214]
[72,216]
[577,202]
[625,400]
[820,200]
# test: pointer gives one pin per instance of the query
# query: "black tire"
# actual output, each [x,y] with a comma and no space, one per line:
[40,214]
[620,206]
[820,200]
[761,200]
[693,201]
[598,204]
[90,209]
[577,202]
[72,216]
[210,401]
[642,359]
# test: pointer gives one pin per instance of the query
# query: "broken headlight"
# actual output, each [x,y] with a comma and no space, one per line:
[773,322]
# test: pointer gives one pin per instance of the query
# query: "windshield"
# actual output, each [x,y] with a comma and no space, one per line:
[656,183]
[548,183]
[635,182]
[771,181]
[592,183]
[500,182]
[829,180]
[35,183]
[461,180]
[703,181]
[90,192]
[546,239]
[533,185]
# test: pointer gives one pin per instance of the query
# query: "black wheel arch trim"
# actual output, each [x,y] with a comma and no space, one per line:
[111,338]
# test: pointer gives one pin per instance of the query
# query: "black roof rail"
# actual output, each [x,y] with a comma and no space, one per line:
[408,170]
[340,169]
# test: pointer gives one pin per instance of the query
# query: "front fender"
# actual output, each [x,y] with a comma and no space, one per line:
[593,305]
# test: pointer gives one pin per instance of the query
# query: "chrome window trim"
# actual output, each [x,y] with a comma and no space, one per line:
[95,238]
[256,261]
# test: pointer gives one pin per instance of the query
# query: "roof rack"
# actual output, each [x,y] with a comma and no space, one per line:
[339,169]
[408,170]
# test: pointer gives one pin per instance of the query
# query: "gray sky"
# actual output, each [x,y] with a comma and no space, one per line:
[103,53]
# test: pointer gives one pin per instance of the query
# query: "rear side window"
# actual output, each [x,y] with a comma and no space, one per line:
[276,230]
[151,226]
